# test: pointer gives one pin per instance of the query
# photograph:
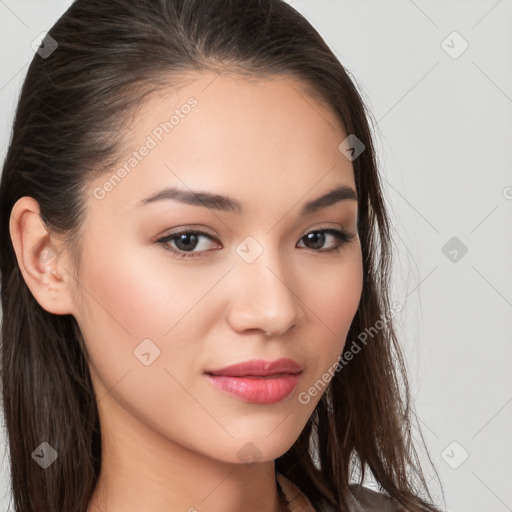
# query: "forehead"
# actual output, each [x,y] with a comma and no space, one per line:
[239,106]
[228,133]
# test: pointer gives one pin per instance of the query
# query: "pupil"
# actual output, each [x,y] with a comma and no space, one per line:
[317,237]
[187,246]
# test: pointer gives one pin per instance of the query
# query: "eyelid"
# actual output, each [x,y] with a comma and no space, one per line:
[189,228]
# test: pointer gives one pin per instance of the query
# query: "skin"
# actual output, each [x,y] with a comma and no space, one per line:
[171,439]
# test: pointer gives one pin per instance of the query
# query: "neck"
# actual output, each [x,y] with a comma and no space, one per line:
[142,470]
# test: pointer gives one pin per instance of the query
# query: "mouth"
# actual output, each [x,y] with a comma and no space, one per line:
[257,381]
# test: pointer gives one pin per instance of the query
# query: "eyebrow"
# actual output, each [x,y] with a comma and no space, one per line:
[227,204]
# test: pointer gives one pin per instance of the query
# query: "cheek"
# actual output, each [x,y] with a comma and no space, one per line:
[331,296]
[333,292]
[163,314]
[129,302]
[144,295]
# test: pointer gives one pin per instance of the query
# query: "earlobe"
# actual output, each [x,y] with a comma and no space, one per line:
[40,257]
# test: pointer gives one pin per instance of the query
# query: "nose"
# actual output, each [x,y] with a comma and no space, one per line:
[263,298]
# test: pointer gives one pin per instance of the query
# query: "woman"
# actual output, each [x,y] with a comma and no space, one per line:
[255,366]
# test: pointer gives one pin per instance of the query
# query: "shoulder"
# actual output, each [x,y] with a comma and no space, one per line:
[365,500]
[369,500]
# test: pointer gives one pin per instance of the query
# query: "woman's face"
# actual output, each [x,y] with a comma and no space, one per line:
[265,282]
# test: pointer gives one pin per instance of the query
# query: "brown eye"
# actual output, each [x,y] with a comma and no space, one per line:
[185,242]
[316,239]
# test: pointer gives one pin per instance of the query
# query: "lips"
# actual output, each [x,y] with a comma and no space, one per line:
[257,390]
[259,368]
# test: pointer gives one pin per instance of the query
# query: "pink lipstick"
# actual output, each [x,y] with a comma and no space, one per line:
[258,381]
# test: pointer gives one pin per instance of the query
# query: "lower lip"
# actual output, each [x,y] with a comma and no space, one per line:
[257,390]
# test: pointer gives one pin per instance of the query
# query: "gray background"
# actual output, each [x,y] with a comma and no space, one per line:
[442,119]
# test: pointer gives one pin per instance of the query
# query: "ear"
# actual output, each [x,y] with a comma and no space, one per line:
[41,258]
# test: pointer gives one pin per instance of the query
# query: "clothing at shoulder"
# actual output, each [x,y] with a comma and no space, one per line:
[369,500]
[363,499]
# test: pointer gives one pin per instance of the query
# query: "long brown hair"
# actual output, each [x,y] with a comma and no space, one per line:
[102,60]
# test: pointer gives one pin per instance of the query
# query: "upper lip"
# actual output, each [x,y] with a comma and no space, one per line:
[258,367]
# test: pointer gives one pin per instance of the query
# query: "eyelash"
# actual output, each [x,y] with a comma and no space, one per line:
[342,236]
